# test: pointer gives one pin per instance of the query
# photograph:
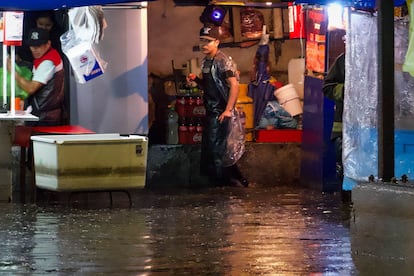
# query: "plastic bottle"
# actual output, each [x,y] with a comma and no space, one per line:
[199,109]
[180,106]
[172,127]
[191,132]
[199,132]
[183,132]
[189,105]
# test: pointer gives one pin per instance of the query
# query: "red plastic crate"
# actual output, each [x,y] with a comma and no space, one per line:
[279,136]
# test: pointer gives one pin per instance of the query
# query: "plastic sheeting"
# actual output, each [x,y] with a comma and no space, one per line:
[350,3]
[261,90]
[235,141]
[360,132]
[78,43]
[360,149]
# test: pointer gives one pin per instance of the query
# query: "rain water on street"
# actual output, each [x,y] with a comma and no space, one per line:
[218,231]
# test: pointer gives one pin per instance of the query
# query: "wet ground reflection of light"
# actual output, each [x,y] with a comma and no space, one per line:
[213,232]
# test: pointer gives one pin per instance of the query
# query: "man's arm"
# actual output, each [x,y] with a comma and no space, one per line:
[333,87]
[233,94]
[29,86]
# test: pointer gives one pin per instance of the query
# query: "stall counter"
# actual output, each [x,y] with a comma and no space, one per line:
[8,121]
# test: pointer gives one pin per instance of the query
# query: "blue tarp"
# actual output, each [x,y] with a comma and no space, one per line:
[349,3]
[26,5]
[30,5]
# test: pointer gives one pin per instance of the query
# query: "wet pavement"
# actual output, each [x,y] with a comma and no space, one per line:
[217,231]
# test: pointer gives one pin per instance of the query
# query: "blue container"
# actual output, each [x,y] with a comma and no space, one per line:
[367,158]
[404,153]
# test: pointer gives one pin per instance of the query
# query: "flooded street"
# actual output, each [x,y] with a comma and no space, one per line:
[220,231]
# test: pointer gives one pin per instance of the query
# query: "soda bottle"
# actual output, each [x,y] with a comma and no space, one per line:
[183,132]
[199,109]
[172,126]
[180,106]
[189,106]
[199,132]
[191,132]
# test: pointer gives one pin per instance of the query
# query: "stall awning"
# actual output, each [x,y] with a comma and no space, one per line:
[349,3]
[30,5]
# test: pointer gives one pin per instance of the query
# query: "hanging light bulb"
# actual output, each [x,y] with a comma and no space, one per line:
[213,14]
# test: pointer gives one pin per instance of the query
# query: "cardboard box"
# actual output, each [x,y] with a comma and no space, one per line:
[90,161]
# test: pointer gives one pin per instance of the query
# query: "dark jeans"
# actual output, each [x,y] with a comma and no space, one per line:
[213,146]
[338,153]
[232,172]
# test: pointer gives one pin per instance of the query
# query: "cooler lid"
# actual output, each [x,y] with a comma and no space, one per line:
[89,138]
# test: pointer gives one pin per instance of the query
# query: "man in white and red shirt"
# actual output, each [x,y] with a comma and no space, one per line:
[46,88]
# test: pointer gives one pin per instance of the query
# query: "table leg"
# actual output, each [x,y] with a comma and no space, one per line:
[23,174]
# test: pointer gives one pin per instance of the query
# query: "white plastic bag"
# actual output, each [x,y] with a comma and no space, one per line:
[78,44]
[88,22]
[84,59]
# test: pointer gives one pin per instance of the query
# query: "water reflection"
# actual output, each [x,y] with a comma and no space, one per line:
[383,244]
[213,232]
[16,236]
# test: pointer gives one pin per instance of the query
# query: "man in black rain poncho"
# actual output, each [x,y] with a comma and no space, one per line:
[220,84]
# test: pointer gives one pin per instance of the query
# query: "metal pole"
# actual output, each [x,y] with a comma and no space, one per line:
[385,90]
[4,76]
[13,80]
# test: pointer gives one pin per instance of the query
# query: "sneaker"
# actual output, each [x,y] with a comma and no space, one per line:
[235,183]
[243,183]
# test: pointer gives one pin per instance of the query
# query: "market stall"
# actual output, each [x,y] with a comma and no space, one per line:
[11,117]
[368,123]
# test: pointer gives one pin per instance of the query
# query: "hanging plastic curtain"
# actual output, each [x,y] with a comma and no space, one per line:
[260,89]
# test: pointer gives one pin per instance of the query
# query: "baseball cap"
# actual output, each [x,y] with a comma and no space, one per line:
[37,37]
[210,32]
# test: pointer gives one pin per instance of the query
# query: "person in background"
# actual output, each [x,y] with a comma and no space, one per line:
[46,88]
[333,89]
[44,20]
[220,84]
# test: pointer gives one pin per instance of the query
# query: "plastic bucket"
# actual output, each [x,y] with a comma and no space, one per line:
[288,98]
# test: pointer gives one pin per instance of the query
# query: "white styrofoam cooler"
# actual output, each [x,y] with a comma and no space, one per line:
[90,161]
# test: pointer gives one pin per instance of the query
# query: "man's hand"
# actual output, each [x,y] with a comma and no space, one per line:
[225,114]
[191,80]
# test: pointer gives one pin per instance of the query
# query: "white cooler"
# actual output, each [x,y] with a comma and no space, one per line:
[90,161]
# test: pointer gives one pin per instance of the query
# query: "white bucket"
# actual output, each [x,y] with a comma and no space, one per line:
[288,98]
